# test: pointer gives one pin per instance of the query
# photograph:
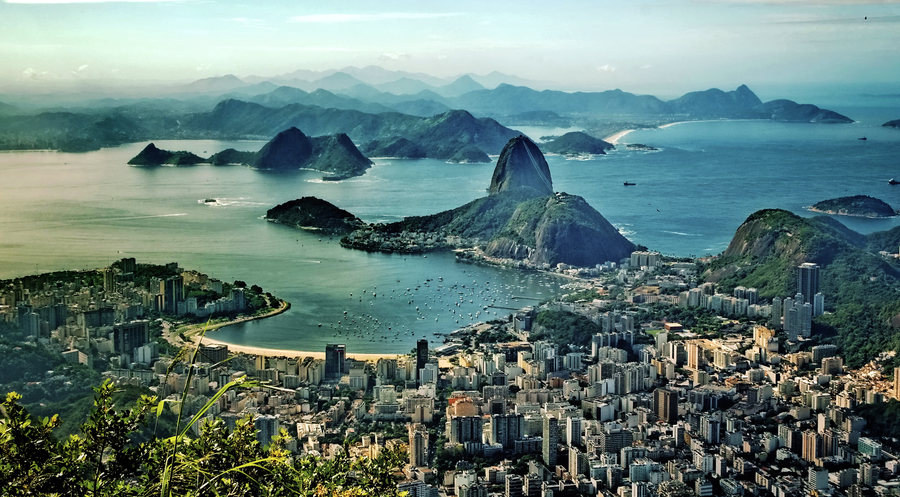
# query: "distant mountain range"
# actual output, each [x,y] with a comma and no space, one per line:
[452,120]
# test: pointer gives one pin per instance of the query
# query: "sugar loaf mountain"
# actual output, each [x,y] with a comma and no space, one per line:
[521,220]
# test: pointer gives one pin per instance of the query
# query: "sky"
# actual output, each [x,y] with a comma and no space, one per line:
[639,45]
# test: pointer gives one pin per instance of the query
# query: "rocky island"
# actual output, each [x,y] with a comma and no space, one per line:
[291,149]
[577,143]
[522,222]
[892,124]
[314,213]
[641,147]
[857,205]
[153,156]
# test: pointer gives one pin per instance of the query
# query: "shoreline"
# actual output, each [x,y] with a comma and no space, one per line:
[263,351]
[614,138]
[838,213]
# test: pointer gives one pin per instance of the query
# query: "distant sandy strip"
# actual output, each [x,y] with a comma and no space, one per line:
[243,349]
[614,139]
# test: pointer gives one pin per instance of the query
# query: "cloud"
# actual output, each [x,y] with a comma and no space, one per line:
[607,68]
[82,67]
[31,73]
[387,16]
[645,66]
[203,67]
[395,56]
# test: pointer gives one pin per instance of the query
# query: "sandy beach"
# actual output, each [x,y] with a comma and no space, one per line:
[244,349]
[614,139]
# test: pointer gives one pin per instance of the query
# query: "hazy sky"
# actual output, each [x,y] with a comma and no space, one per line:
[634,45]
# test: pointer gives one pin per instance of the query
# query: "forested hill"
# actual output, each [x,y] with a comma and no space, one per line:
[861,288]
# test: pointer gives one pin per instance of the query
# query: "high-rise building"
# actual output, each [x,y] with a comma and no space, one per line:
[897,383]
[129,336]
[550,440]
[214,353]
[418,445]
[573,431]
[818,304]
[665,405]
[267,427]
[808,281]
[465,429]
[513,486]
[776,314]
[335,357]
[172,290]
[421,356]
[506,429]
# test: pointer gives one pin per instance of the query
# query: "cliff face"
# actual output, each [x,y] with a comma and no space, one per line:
[559,228]
[521,163]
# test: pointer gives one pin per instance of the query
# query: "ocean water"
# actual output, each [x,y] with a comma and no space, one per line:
[77,211]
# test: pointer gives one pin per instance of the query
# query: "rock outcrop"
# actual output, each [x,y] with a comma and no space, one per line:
[314,213]
[521,163]
[153,156]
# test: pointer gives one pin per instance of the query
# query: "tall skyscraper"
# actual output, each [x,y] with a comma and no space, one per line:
[418,445]
[808,281]
[421,356]
[665,405]
[172,290]
[897,383]
[550,441]
[335,357]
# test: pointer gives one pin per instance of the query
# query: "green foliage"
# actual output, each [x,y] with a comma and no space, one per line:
[565,327]
[883,419]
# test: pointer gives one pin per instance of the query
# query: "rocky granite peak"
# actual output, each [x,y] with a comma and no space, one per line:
[521,163]
[290,149]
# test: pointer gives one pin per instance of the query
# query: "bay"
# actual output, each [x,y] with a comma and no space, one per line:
[71,211]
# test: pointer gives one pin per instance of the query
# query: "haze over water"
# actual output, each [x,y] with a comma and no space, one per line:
[76,211]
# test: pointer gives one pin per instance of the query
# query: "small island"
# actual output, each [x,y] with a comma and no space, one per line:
[857,206]
[641,147]
[576,143]
[314,214]
[892,124]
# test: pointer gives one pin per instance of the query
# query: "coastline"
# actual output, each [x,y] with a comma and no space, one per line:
[839,213]
[614,138]
[262,351]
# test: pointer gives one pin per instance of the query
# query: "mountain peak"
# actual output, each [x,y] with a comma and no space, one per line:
[521,163]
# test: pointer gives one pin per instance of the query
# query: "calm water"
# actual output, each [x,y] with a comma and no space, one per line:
[65,211]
